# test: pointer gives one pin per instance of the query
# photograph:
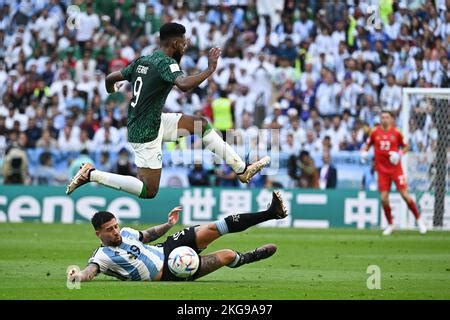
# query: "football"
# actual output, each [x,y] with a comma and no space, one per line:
[183,262]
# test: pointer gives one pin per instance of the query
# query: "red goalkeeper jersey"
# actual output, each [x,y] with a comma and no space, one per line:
[385,141]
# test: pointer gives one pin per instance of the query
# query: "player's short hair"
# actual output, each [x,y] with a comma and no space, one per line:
[389,112]
[100,218]
[171,30]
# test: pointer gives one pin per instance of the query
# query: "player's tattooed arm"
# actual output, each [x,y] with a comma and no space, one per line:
[111,79]
[156,232]
[85,275]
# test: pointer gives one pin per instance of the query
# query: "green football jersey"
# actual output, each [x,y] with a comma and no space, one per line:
[152,77]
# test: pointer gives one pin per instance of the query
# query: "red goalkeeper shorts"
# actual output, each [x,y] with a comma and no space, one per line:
[385,180]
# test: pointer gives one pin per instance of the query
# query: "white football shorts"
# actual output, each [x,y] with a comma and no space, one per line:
[149,154]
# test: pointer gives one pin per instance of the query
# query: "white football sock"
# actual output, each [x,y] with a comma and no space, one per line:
[116,181]
[218,146]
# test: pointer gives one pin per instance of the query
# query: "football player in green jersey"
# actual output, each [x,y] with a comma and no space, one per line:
[152,77]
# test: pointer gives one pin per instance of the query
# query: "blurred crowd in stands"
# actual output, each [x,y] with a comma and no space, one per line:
[318,72]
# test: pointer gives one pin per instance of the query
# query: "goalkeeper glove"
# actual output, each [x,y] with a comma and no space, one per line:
[364,156]
[394,157]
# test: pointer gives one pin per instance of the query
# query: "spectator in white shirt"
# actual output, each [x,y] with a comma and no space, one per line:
[340,58]
[392,28]
[324,42]
[67,141]
[276,119]
[63,81]
[248,132]
[229,73]
[349,93]
[250,60]
[391,95]
[313,118]
[352,66]
[245,102]
[3,77]
[107,137]
[304,26]
[321,127]
[326,95]
[372,79]
[308,73]
[88,24]
[291,146]
[85,67]
[297,131]
[283,72]
[87,85]
[402,14]
[85,142]
[402,72]
[24,33]
[432,66]
[261,85]
[339,34]
[337,133]
[313,145]
[69,121]
[127,50]
[365,110]
[46,27]
[202,27]
[365,53]
[12,54]
[173,101]
[347,120]
[445,27]
[16,118]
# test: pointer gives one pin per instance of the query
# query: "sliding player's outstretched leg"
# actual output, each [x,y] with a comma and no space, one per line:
[214,143]
[240,222]
[277,207]
[233,259]
[207,233]
[213,261]
[259,253]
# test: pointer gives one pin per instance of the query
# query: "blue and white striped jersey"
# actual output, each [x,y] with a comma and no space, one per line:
[131,260]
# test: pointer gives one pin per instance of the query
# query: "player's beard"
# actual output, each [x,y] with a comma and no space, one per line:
[116,242]
[177,56]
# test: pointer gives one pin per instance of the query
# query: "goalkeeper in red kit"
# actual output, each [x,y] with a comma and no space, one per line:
[389,146]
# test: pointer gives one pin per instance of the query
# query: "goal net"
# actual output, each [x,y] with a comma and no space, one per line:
[425,124]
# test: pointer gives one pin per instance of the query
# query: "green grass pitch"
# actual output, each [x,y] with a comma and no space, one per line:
[309,264]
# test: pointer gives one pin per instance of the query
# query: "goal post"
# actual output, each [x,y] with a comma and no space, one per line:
[425,117]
